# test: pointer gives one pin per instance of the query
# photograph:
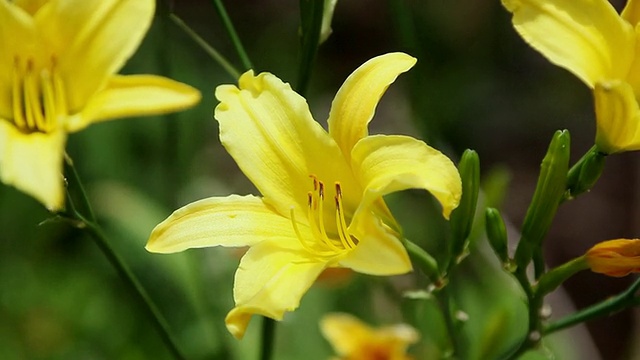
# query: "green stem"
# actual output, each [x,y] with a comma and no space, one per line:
[210,50]
[612,305]
[235,39]
[311,12]
[445,301]
[89,225]
[268,337]
[534,301]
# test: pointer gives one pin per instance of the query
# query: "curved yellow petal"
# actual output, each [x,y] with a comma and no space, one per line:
[389,163]
[268,130]
[13,22]
[631,12]
[617,117]
[92,39]
[135,95]
[353,339]
[586,37]
[219,221]
[346,333]
[32,163]
[616,258]
[356,101]
[271,279]
[379,251]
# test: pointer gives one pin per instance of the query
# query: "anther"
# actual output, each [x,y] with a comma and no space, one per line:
[321,191]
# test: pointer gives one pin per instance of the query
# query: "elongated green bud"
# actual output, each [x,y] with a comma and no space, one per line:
[497,234]
[584,174]
[550,189]
[462,216]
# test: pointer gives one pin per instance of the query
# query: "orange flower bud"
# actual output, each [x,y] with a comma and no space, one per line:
[615,257]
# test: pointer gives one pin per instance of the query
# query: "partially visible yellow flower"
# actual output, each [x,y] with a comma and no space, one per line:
[321,203]
[590,39]
[354,340]
[58,61]
[615,257]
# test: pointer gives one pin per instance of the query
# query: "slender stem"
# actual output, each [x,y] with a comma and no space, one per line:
[235,39]
[88,224]
[210,50]
[268,337]
[311,12]
[445,301]
[607,307]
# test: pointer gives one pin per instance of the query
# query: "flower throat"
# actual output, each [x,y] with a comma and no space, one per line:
[323,244]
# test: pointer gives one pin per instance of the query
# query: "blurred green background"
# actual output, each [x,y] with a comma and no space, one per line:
[476,85]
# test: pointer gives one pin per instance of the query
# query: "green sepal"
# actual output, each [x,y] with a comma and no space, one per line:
[497,234]
[462,217]
[550,190]
[585,173]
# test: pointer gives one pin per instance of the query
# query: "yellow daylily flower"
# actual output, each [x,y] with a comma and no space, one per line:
[590,39]
[321,203]
[354,340]
[615,258]
[58,61]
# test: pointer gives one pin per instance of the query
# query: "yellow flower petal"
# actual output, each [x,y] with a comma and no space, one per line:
[355,340]
[14,21]
[379,251]
[386,164]
[631,12]
[135,95]
[268,130]
[356,101]
[586,37]
[92,39]
[30,6]
[617,117]
[271,279]
[615,258]
[32,163]
[229,221]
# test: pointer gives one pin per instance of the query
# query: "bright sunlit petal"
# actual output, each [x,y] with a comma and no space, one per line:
[586,37]
[219,221]
[32,163]
[356,101]
[135,95]
[268,130]
[617,117]
[271,279]
[388,163]
[96,38]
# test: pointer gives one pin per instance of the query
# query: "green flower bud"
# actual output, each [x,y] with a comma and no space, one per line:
[497,234]
[584,174]
[550,190]
[462,216]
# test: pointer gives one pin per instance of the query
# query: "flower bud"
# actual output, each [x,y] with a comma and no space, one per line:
[497,234]
[549,191]
[615,258]
[462,216]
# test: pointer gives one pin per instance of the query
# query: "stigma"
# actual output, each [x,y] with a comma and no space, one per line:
[37,96]
[326,240]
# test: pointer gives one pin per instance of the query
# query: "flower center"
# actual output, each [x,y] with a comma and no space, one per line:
[324,243]
[38,97]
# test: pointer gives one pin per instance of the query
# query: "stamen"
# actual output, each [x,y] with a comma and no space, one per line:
[302,240]
[49,98]
[16,95]
[341,233]
[342,223]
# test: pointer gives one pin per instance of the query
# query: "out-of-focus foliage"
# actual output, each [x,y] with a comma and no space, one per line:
[476,85]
